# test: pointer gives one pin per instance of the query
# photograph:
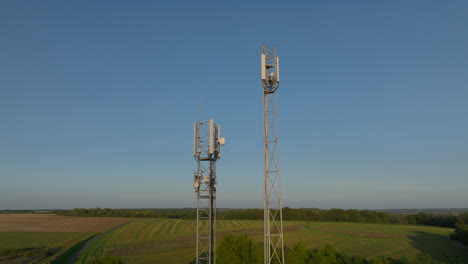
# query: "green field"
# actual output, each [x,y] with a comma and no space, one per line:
[41,238]
[172,241]
[35,247]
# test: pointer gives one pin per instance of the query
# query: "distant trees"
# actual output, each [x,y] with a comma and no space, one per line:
[302,214]
[9,211]
[351,215]
[433,220]
[463,219]
[139,213]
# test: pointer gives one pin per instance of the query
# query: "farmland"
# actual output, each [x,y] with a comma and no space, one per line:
[36,247]
[37,238]
[172,240]
[56,223]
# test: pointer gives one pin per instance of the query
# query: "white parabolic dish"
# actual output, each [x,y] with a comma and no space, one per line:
[222,141]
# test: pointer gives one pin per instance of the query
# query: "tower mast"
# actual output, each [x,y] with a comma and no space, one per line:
[206,151]
[273,217]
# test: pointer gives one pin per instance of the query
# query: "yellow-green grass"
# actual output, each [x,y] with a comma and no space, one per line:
[36,247]
[371,240]
[173,240]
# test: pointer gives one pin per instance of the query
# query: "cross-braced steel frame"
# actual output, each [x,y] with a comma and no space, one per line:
[205,188]
[273,218]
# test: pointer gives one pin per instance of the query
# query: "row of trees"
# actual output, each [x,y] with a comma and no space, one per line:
[9,211]
[352,215]
[243,250]
[138,213]
[303,214]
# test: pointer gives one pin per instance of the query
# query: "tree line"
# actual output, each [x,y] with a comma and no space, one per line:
[302,214]
[351,215]
[185,213]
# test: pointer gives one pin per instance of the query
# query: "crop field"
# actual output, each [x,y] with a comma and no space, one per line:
[162,240]
[35,238]
[57,223]
[173,241]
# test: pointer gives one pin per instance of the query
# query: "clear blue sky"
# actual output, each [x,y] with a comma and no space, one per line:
[98,100]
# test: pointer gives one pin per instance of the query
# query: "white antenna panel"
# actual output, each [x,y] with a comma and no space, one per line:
[277,70]
[263,67]
[211,144]
[195,139]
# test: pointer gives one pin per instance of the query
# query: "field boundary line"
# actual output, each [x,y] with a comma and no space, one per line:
[90,242]
[61,256]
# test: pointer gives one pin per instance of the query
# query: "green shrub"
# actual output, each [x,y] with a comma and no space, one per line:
[104,260]
[461,233]
[329,255]
[238,250]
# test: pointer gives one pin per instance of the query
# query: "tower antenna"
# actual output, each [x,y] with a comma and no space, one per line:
[207,142]
[273,216]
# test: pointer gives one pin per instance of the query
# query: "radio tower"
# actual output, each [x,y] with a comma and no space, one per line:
[206,150]
[273,217]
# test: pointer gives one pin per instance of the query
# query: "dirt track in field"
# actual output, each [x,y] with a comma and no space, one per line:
[58,223]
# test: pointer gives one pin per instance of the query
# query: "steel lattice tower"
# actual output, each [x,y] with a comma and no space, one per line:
[273,217]
[206,151]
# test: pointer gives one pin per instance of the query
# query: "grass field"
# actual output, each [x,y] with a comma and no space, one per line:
[172,241]
[36,238]
[36,247]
